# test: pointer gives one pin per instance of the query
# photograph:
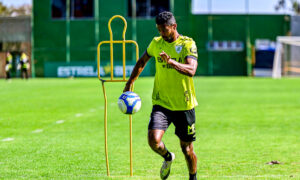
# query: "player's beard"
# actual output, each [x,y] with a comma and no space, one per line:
[168,38]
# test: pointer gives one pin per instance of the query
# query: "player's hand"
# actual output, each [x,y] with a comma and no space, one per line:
[165,57]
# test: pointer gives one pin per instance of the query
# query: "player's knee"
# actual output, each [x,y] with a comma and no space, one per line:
[187,150]
[153,142]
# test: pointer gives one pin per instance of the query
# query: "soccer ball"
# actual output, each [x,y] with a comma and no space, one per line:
[129,102]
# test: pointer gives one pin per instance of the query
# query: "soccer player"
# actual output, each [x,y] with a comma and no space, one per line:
[173,95]
[8,66]
[24,64]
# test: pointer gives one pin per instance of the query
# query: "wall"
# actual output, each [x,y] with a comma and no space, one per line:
[50,41]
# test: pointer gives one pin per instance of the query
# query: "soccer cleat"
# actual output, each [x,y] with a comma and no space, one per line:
[166,168]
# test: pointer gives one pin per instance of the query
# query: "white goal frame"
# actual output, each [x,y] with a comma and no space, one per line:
[277,64]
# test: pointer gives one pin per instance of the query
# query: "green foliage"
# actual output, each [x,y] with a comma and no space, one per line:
[295,5]
[23,10]
[3,9]
[242,123]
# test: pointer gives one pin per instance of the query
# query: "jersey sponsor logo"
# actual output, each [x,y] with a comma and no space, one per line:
[178,48]
[160,60]
[168,66]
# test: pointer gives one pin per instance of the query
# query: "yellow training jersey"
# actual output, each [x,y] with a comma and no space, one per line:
[24,61]
[9,59]
[173,90]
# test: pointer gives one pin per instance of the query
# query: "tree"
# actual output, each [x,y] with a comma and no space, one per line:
[282,5]
[23,10]
[3,10]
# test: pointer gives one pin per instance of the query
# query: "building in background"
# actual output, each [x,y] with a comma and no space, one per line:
[65,43]
[295,26]
[15,37]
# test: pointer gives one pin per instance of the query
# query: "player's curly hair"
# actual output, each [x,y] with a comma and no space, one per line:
[165,18]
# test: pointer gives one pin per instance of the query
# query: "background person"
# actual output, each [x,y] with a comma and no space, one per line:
[24,65]
[8,66]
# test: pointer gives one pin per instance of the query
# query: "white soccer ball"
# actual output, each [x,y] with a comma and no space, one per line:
[129,102]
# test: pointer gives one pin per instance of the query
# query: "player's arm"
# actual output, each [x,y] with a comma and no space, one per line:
[138,68]
[189,68]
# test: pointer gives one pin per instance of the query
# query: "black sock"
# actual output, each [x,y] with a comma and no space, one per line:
[167,156]
[193,176]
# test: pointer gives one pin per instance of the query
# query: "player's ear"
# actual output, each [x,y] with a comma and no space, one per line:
[174,26]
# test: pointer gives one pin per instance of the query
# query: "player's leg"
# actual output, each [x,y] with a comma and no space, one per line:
[190,157]
[26,73]
[7,70]
[155,142]
[22,73]
[158,124]
[7,75]
[184,122]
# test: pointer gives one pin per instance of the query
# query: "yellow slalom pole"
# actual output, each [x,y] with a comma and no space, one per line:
[111,42]
[124,59]
[105,128]
[130,127]
[130,136]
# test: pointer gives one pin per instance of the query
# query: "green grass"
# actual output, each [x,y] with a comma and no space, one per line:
[242,123]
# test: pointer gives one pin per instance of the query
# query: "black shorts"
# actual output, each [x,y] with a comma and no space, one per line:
[184,122]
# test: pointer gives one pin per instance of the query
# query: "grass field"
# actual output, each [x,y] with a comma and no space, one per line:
[53,129]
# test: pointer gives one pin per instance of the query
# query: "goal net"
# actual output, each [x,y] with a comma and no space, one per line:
[287,57]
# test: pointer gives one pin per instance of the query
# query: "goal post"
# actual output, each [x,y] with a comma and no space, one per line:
[287,57]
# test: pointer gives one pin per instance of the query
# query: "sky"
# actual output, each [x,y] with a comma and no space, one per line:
[217,6]
[15,2]
[236,6]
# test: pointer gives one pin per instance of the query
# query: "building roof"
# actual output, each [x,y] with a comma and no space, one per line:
[15,29]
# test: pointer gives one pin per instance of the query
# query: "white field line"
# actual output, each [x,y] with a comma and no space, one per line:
[207,176]
[8,139]
[37,131]
[184,177]
[57,122]
[60,121]
[78,115]
[249,176]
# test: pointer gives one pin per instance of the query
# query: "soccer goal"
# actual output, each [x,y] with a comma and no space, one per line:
[287,57]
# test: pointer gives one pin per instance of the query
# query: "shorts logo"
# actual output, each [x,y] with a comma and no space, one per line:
[178,48]
[191,129]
